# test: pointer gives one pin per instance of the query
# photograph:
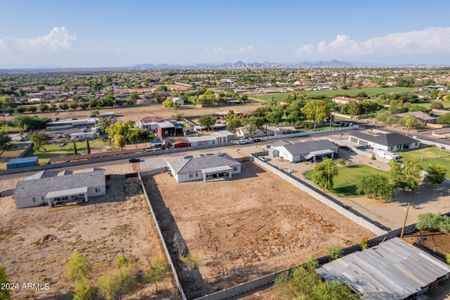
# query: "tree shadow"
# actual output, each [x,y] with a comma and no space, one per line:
[192,281]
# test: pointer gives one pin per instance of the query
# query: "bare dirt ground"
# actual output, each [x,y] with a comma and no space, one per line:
[246,227]
[154,110]
[35,243]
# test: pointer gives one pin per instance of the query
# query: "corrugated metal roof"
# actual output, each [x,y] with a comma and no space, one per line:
[391,270]
[22,160]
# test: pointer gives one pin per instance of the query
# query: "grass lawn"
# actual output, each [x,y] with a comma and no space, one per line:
[345,184]
[8,128]
[53,150]
[428,156]
[428,105]
[333,93]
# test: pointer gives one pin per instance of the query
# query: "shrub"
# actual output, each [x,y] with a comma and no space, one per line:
[83,290]
[334,252]
[4,293]
[304,283]
[435,174]
[77,268]
[116,282]
[364,244]
[433,222]
[190,261]
[376,186]
[447,258]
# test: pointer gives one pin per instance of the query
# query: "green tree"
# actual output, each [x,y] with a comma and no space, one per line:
[324,173]
[83,290]
[444,119]
[406,176]
[39,139]
[376,186]
[234,123]
[435,174]
[207,121]
[354,108]
[156,272]
[5,141]
[119,140]
[316,111]
[409,122]
[118,281]
[4,293]
[77,268]
[5,105]
[335,252]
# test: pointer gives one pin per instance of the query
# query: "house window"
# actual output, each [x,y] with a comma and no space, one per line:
[190,175]
[34,200]
[234,168]
[97,190]
[196,174]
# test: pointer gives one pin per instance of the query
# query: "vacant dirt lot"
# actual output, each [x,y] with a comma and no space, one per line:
[154,110]
[243,228]
[35,243]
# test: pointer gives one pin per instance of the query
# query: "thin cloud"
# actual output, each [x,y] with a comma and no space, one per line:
[435,40]
[239,51]
[57,39]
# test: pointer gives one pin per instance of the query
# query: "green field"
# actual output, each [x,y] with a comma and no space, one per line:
[429,156]
[369,91]
[53,150]
[345,184]
[428,105]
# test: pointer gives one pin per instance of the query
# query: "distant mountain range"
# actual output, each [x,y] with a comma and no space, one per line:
[241,65]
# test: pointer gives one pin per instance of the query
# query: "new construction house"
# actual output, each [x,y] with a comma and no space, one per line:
[304,151]
[52,188]
[203,167]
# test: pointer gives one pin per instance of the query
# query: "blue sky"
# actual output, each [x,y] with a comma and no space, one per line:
[61,33]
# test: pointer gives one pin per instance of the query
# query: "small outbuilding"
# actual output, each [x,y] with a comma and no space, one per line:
[22,162]
[392,270]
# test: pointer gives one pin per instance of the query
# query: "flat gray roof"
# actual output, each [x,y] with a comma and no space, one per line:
[392,270]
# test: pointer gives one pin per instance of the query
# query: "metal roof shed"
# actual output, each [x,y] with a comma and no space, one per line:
[392,270]
[22,162]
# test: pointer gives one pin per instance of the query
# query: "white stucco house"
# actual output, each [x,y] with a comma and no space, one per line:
[203,167]
[391,141]
[51,187]
[178,101]
[303,151]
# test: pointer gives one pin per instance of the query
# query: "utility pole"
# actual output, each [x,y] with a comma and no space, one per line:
[404,221]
